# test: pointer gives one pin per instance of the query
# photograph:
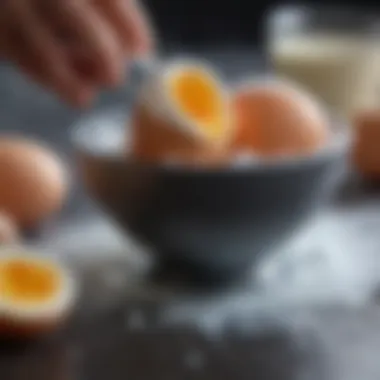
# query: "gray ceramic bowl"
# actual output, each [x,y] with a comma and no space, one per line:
[220,222]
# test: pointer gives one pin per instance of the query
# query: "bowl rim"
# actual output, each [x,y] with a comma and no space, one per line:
[339,147]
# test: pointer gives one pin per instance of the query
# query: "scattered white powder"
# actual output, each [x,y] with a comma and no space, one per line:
[335,260]
[95,240]
[326,265]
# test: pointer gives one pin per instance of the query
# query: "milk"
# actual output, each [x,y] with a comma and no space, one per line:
[344,72]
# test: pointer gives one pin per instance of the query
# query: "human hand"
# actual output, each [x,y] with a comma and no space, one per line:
[73,47]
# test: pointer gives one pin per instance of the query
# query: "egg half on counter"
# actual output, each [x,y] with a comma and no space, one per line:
[37,294]
[183,112]
[276,119]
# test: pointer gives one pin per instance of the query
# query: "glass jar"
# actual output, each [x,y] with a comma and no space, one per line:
[333,52]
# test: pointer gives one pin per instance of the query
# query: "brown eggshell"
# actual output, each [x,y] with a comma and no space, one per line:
[156,141]
[276,120]
[244,131]
[34,182]
[366,147]
[8,230]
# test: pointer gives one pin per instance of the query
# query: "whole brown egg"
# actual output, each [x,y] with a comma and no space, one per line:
[275,119]
[33,181]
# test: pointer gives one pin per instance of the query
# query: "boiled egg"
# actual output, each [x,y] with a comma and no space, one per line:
[34,181]
[277,119]
[184,113]
[36,294]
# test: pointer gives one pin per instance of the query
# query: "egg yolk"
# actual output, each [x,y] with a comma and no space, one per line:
[29,282]
[198,97]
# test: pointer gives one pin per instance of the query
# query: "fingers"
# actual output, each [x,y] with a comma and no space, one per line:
[129,20]
[32,47]
[81,96]
[73,47]
[90,34]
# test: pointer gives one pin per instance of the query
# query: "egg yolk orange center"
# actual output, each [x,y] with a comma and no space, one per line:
[25,281]
[198,97]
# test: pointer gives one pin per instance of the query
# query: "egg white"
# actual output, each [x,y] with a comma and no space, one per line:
[53,308]
[155,96]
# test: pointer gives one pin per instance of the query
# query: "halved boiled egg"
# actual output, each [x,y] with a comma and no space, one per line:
[183,112]
[36,294]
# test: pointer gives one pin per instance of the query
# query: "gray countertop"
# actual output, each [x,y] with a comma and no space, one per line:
[324,324]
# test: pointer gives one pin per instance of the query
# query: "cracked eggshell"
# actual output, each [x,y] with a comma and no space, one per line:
[163,131]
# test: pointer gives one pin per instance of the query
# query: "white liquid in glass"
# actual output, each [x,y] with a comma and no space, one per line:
[343,72]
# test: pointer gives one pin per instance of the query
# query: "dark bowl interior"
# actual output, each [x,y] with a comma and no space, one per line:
[219,221]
